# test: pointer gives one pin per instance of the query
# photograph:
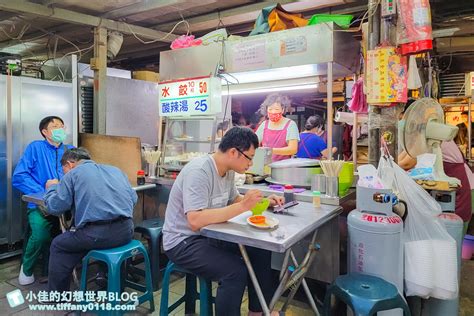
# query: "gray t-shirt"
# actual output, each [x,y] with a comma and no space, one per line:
[198,186]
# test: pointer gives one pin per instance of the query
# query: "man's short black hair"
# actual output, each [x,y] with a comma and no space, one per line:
[241,138]
[48,119]
[74,155]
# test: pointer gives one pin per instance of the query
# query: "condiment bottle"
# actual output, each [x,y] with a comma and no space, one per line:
[288,193]
[140,177]
[316,199]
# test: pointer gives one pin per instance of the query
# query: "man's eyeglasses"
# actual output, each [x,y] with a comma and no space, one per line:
[249,158]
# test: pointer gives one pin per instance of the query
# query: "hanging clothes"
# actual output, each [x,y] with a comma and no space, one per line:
[275,139]
[454,166]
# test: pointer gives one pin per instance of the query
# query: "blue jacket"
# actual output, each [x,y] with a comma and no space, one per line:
[96,192]
[40,162]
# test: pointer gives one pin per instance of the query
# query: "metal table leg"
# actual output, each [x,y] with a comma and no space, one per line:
[306,288]
[253,277]
[294,276]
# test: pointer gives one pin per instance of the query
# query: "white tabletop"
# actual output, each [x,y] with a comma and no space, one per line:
[294,225]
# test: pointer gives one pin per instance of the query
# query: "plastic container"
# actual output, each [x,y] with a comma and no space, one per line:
[288,193]
[140,177]
[317,199]
[343,20]
[468,247]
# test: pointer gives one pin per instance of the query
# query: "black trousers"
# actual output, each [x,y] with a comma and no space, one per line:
[222,262]
[68,249]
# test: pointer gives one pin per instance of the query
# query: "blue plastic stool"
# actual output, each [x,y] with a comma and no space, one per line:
[365,294]
[151,230]
[114,259]
[191,295]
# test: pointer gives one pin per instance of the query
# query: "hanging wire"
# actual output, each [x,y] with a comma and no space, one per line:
[159,39]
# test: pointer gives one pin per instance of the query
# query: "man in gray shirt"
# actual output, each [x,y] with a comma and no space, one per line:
[204,193]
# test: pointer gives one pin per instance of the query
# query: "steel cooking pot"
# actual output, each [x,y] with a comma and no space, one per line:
[294,171]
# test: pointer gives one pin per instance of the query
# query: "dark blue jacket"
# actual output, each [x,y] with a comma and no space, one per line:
[40,162]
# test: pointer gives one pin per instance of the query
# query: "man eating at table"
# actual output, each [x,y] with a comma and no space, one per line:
[204,193]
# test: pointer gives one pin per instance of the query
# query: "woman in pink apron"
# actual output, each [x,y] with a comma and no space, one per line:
[278,132]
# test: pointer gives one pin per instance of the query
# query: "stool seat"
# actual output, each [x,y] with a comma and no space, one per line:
[366,286]
[117,252]
[365,294]
[114,258]
[150,224]
[190,296]
[151,229]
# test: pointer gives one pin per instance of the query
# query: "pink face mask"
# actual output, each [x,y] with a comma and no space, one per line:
[275,117]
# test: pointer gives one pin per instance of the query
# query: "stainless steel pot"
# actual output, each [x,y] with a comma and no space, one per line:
[294,171]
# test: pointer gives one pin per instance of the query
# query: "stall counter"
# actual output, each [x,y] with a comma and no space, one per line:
[305,196]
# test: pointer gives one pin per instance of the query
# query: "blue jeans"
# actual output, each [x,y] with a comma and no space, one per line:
[68,249]
[221,261]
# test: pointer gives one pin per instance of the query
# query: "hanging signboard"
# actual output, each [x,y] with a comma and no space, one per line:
[190,97]
[386,76]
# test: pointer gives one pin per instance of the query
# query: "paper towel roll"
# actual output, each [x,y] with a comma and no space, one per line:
[348,117]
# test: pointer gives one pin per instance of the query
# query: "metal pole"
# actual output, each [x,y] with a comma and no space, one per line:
[9,143]
[374,112]
[469,128]
[329,110]
[75,89]
[253,277]
[355,126]
[99,65]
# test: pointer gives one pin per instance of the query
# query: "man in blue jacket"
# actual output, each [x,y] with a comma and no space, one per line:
[40,162]
[103,202]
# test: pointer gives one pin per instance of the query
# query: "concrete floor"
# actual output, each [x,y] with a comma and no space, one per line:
[9,272]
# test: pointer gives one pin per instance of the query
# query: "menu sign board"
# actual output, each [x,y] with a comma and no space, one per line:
[190,97]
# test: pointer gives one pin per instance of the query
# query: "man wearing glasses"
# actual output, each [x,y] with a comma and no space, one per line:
[40,162]
[204,193]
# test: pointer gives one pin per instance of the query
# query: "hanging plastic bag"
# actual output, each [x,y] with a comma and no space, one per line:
[414,32]
[431,267]
[185,41]
[358,102]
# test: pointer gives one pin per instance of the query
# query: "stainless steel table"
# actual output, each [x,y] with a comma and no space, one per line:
[299,222]
[37,198]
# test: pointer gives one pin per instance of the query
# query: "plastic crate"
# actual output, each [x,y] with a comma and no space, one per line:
[343,20]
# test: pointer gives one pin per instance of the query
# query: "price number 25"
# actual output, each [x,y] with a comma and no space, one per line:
[201,105]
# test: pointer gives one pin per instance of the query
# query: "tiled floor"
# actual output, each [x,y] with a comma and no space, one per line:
[9,272]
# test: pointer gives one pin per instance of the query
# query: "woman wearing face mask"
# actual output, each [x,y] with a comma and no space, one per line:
[311,144]
[41,161]
[278,132]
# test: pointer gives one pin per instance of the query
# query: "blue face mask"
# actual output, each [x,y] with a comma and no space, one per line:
[58,135]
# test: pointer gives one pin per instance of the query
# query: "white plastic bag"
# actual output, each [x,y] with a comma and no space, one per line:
[430,252]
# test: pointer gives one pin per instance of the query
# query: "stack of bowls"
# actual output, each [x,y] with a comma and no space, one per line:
[346,177]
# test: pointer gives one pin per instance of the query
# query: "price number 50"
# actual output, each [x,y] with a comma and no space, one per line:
[202,87]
